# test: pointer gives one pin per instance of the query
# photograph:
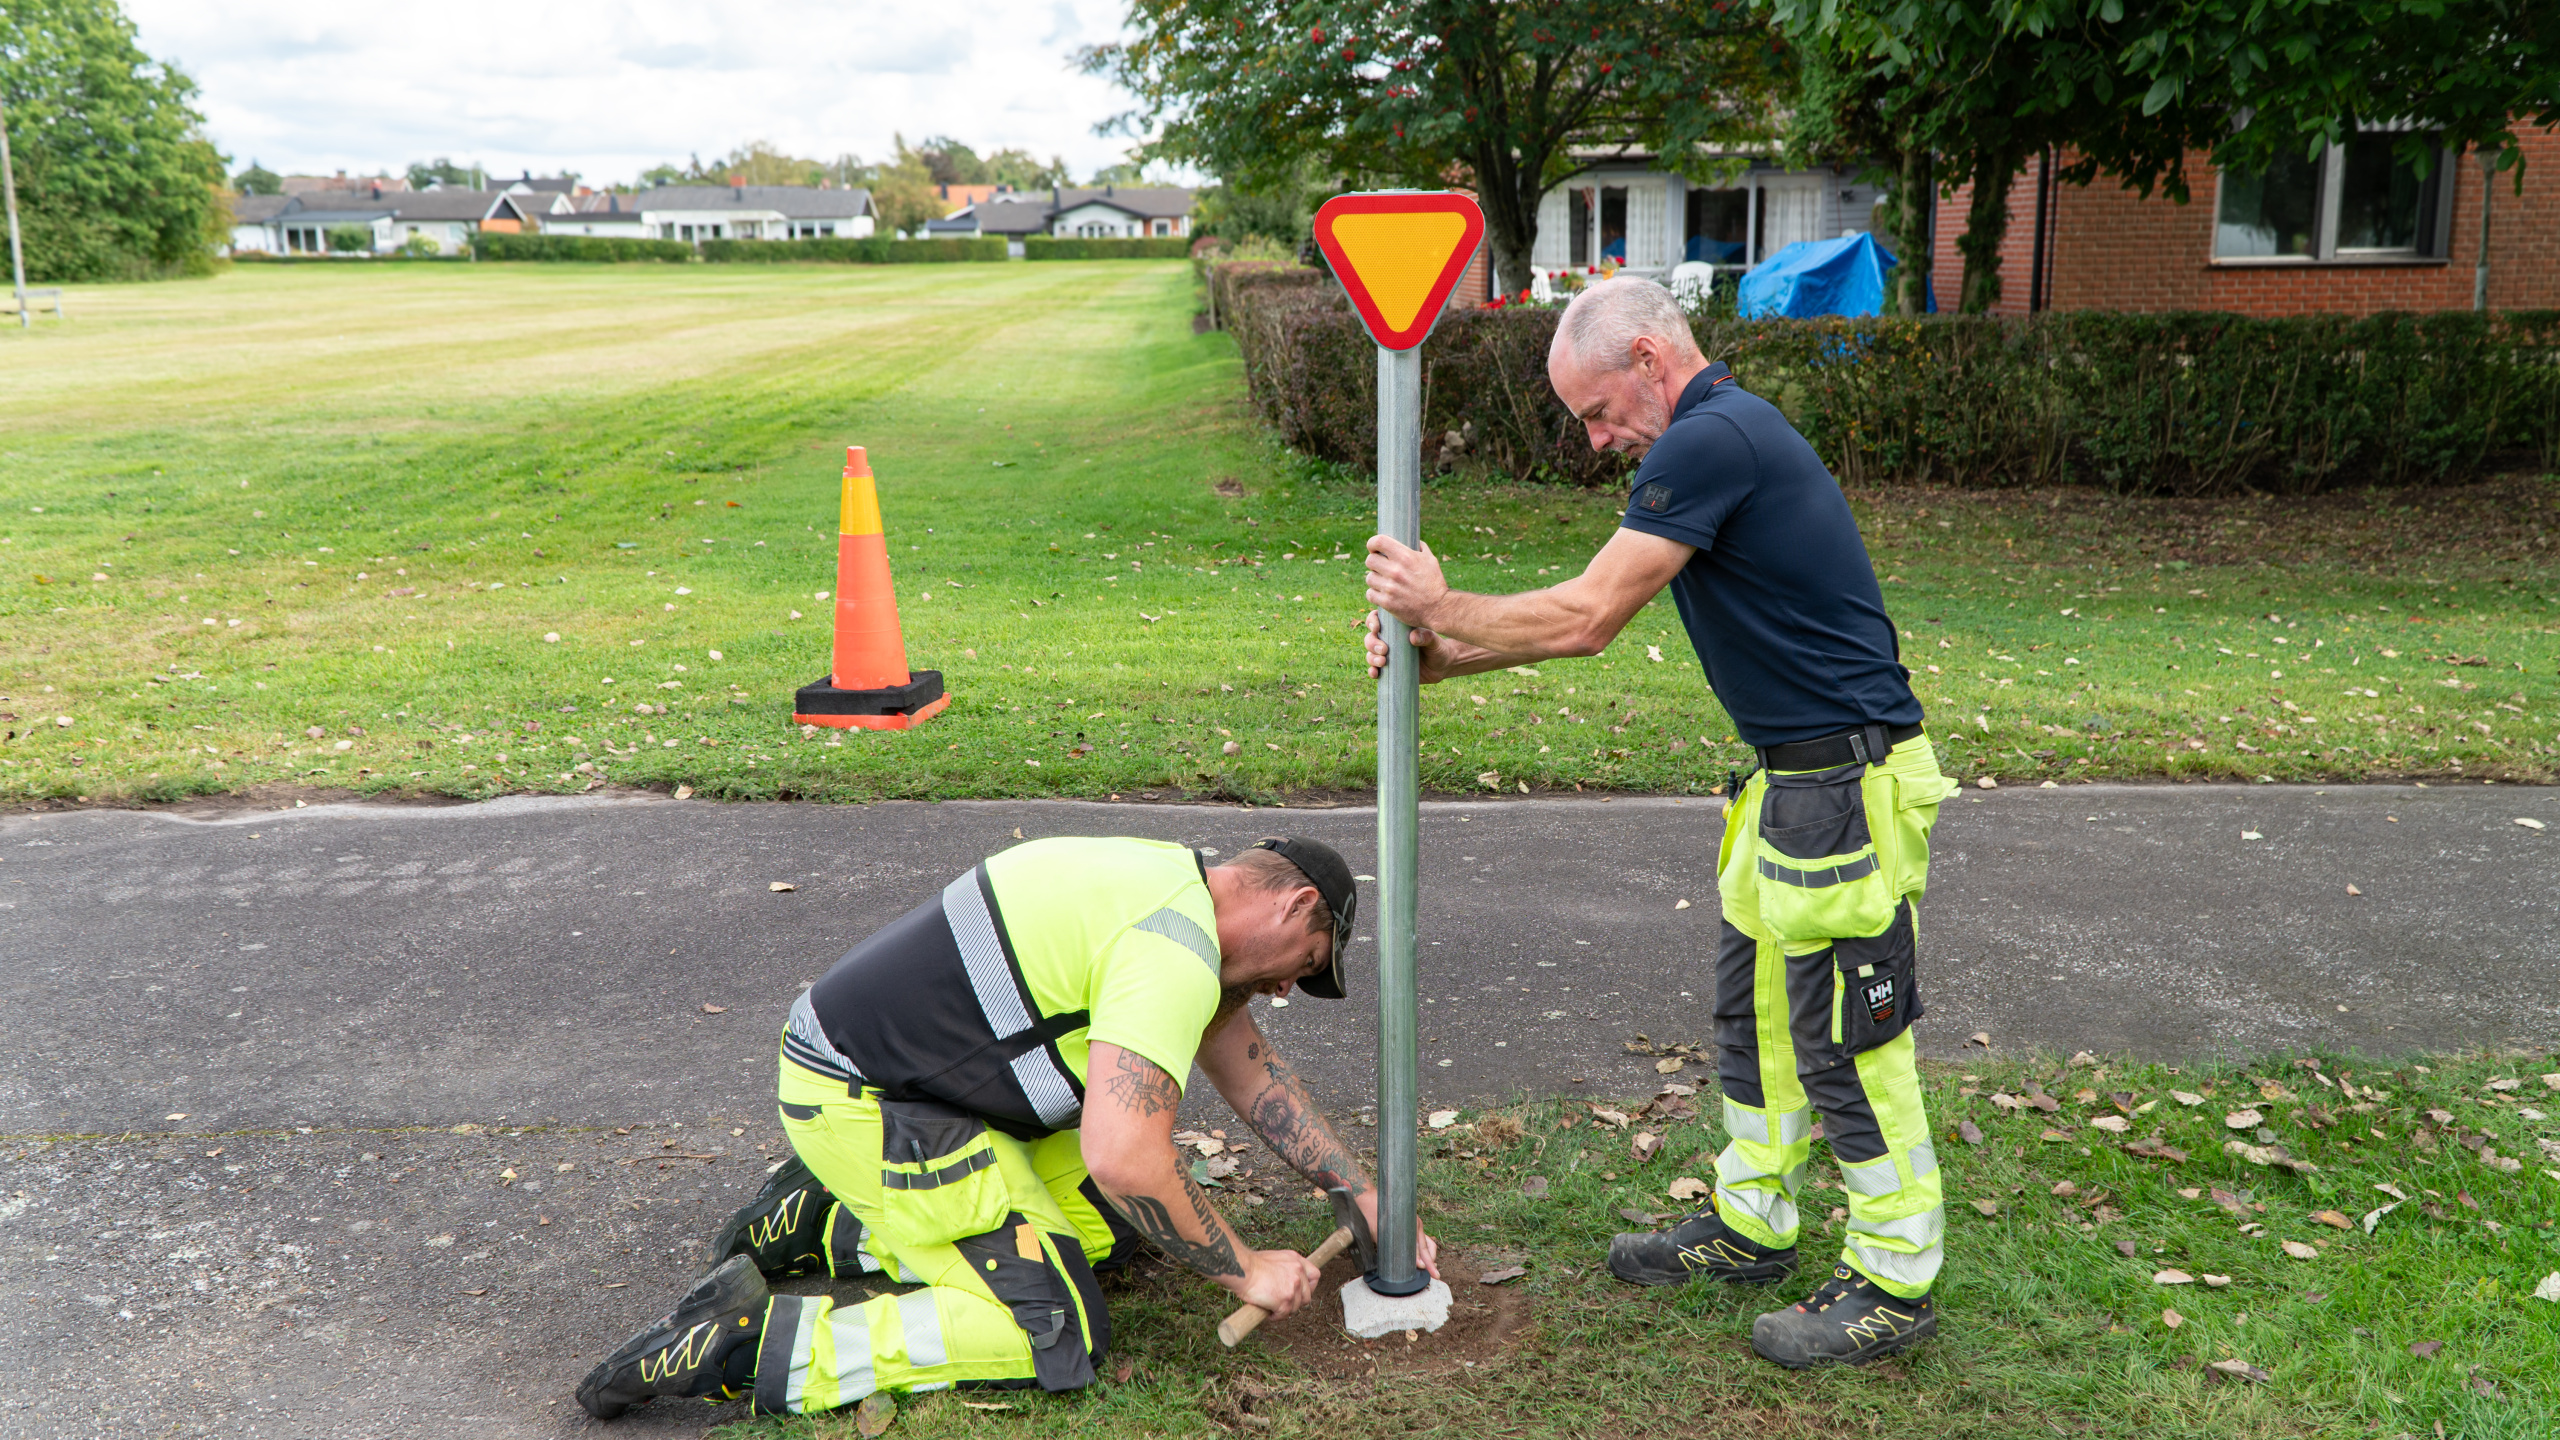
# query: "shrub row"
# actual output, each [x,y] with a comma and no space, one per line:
[1054,247]
[869,250]
[2153,404]
[498,245]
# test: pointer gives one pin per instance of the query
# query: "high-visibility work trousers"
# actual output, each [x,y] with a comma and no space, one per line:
[1816,987]
[1001,1234]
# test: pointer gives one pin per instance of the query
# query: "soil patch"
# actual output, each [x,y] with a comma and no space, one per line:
[1485,1321]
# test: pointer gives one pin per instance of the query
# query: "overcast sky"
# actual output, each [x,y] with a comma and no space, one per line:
[608,88]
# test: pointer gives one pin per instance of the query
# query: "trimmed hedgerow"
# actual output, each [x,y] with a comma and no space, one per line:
[500,245]
[1055,247]
[845,250]
[2137,404]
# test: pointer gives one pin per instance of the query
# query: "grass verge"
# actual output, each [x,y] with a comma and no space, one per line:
[2052,1318]
[361,502]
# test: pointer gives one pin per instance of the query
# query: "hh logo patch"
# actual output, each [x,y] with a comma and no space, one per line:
[1656,498]
[1881,1000]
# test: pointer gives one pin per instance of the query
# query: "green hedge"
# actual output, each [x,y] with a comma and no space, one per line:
[870,250]
[2153,404]
[1053,247]
[500,245]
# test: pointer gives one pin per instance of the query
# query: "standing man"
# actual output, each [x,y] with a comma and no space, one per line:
[1826,848]
[980,1098]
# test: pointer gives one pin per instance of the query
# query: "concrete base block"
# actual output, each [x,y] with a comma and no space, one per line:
[1369,1315]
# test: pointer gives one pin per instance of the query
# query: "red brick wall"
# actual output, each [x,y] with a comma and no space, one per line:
[2111,249]
[1475,287]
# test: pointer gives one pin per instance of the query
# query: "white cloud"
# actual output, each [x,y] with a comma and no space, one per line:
[608,88]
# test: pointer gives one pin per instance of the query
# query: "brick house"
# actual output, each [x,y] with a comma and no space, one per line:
[2351,233]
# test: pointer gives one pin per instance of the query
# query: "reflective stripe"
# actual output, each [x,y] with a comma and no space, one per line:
[1184,931]
[951,1174]
[852,1330]
[1894,1267]
[1743,1123]
[1858,869]
[1871,1180]
[1795,1126]
[907,1276]
[923,1324]
[1924,1158]
[1050,1093]
[1922,1231]
[806,1042]
[965,906]
[804,1337]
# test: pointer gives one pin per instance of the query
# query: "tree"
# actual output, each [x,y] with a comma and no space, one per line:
[258,180]
[904,196]
[758,163]
[115,177]
[1508,98]
[1019,169]
[950,162]
[441,171]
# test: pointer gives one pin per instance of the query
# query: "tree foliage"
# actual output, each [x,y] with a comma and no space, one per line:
[115,177]
[441,171]
[259,180]
[904,195]
[1509,99]
[953,163]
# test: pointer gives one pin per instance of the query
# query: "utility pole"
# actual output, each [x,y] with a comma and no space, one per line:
[17,255]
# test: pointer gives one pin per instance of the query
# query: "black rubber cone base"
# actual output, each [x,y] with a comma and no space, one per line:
[821,697]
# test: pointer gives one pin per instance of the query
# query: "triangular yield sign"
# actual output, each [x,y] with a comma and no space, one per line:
[1398,255]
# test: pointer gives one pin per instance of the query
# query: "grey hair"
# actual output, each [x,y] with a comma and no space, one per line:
[1601,326]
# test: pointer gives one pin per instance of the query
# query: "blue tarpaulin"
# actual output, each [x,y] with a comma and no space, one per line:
[1818,277]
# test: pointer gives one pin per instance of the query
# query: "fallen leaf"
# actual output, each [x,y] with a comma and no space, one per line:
[1690,1187]
[2190,1193]
[2126,1248]
[2394,1191]
[2113,1124]
[1644,1145]
[1000,1405]
[2240,1370]
[1614,1119]
[684,792]
[1637,1217]
[1968,1132]
[1987,1207]
[2425,1349]
[2055,1137]
[2529,823]
[2173,1277]
[873,1417]
[2549,1289]
[715,1009]
[2152,1148]
[779,886]
[1534,1188]
[181,1115]
[2244,1120]
[475,1292]
[2300,1251]
[1496,1277]
[1443,1119]
[2066,1187]
[2172,1319]
[2353,890]
[1683,905]
[2374,1217]
[2186,1098]
[2251,835]
[1983,1039]
[1669,1066]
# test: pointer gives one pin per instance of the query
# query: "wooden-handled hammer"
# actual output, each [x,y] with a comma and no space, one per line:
[1352,1229]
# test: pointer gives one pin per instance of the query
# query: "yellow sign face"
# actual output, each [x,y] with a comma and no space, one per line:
[1400,258]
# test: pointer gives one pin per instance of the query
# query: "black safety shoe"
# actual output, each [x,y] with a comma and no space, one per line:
[784,1228]
[1847,1320]
[1700,1245]
[694,1351]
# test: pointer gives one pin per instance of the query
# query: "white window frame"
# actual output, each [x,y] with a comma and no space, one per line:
[2325,251]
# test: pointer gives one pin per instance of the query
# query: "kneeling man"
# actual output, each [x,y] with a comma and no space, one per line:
[981,1099]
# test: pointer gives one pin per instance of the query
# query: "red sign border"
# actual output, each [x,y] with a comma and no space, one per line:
[1412,202]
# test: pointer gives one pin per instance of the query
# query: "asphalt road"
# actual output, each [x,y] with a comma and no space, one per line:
[234,1199]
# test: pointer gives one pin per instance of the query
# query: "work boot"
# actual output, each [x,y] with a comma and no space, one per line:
[784,1228]
[707,1347]
[1700,1245]
[1847,1320]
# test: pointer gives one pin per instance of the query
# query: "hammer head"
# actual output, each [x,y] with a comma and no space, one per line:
[1346,1213]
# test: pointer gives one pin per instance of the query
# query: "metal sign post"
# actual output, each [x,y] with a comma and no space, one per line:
[1398,255]
[17,259]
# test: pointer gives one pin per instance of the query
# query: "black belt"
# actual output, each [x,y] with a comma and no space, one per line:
[1867,745]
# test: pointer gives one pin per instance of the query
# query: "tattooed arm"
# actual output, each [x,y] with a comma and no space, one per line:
[1249,1071]
[1128,1149]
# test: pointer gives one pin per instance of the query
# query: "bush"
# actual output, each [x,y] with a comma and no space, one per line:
[421,247]
[869,250]
[2139,404]
[1054,247]
[350,239]
[503,245]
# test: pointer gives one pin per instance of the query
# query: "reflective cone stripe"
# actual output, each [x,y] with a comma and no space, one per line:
[870,648]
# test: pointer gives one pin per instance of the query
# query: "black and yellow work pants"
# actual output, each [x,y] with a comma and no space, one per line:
[1001,1234]
[1820,875]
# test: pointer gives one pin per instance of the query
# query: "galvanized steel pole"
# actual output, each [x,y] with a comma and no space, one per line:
[17,259]
[1399,824]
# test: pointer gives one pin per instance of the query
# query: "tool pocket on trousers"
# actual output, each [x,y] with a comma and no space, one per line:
[938,1175]
[1053,1296]
[1816,859]
[1879,985]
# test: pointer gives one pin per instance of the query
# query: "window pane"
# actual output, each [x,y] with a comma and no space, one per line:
[2381,202]
[2273,213]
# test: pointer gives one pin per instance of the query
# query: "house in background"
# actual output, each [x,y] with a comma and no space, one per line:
[1630,210]
[2355,231]
[610,215]
[300,224]
[750,212]
[1110,212]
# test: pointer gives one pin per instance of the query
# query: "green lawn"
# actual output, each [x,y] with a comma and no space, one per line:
[361,499]
[2052,1321]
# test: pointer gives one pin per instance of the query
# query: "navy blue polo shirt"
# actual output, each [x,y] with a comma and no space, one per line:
[1780,601]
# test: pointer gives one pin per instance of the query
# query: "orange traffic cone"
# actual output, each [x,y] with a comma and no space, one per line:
[870,687]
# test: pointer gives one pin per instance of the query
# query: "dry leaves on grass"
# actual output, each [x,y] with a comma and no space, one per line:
[2172,1319]
[715,1009]
[1614,1119]
[1968,1132]
[2244,1120]
[1987,1207]
[1690,1187]
[2173,1277]
[1534,1188]
[2240,1370]
[2333,1219]
[2300,1251]
[779,886]
[2425,1349]
[1644,1145]
[874,1416]
[2112,1124]
[1496,1277]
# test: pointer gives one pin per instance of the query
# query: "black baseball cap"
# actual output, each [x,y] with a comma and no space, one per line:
[1325,869]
